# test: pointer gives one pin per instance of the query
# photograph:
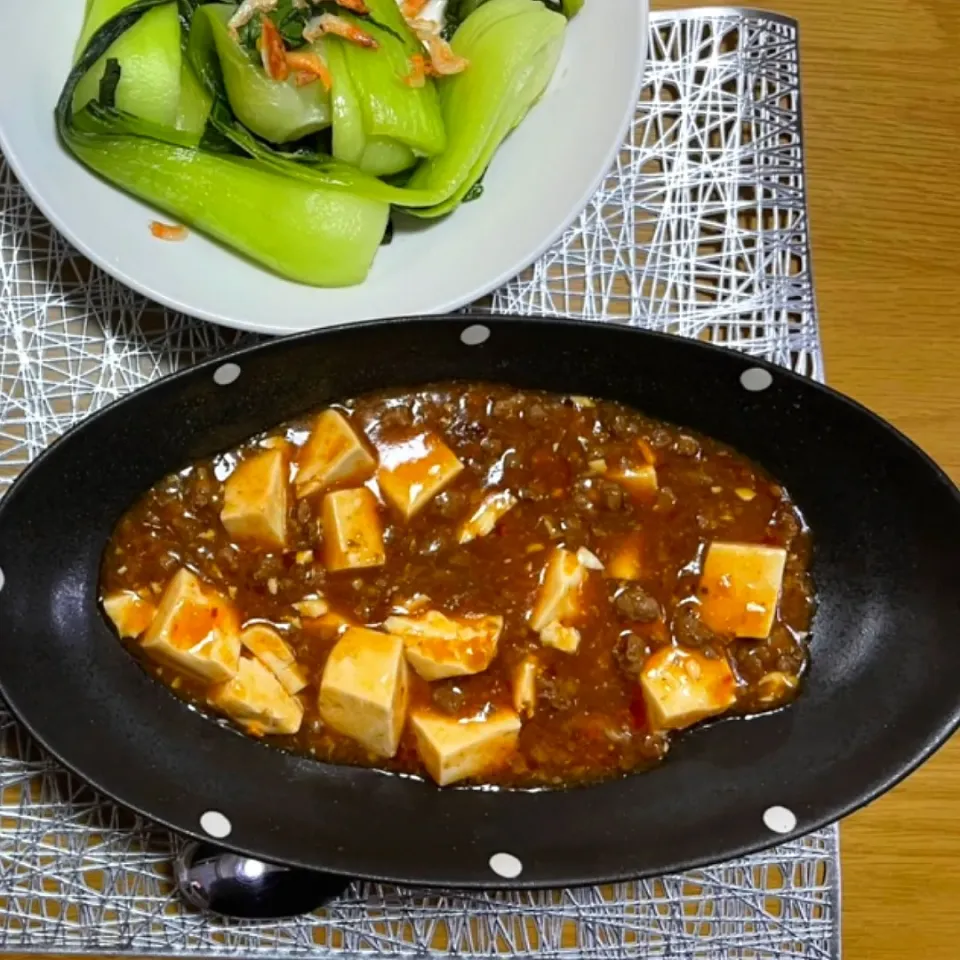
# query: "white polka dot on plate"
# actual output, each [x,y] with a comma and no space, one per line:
[780,819]
[475,335]
[215,824]
[226,374]
[756,379]
[506,865]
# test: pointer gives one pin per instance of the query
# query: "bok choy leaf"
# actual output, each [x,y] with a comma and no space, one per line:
[193,108]
[308,233]
[375,155]
[278,111]
[309,166]
[458,10]
[149,57]
[513,47]
[319,237]
[381,124]
[164,102]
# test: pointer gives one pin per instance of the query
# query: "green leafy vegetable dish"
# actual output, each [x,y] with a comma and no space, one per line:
[289,130]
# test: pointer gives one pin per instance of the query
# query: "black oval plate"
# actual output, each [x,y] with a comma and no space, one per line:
[882,693]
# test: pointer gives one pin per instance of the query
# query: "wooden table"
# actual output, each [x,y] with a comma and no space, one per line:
[881,83]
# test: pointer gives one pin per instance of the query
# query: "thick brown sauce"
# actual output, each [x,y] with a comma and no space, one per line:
[590,722]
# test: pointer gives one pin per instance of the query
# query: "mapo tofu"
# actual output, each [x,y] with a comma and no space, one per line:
[470,583]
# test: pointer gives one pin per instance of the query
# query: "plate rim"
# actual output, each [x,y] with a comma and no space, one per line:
[832,811]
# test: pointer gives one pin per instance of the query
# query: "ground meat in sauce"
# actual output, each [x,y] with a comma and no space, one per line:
[636,604]
[690,630]
[558,692]
[631,654]
[590,721]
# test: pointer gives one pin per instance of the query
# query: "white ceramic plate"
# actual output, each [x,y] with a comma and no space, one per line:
[540,180]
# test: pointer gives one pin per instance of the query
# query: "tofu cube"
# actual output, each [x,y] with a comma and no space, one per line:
[256,699]
[559,595]
[416,470]
[275,654]
[455,749]
[524,682]
[625,559]
[294,678]
[334,453]
[129,612]
[681,687]
[438,646]
[352,534]
[487,516]
[740,588]
[365,688]
[195,629]
[564,639]
[640,482]
[255,500]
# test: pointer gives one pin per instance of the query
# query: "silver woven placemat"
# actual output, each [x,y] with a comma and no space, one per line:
[700,229]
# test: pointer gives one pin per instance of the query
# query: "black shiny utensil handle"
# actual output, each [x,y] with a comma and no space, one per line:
[216,880]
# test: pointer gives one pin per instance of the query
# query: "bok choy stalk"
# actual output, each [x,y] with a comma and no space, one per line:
[305,165]
[325,237]
[193,110]
[320,237]
[149,57]
[278,111]
[513,47]
[380,124]
[377,156]
[458,10]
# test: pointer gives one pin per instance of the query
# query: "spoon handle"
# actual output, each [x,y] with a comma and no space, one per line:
[232,885]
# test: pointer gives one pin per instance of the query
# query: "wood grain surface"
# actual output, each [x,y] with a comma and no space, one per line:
[881,85]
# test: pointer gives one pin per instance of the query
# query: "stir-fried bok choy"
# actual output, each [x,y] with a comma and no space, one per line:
[287,129]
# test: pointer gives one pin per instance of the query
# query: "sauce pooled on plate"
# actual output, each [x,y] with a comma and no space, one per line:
[469,582]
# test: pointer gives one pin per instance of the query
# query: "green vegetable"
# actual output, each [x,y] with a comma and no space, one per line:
[287,17]
[320,237]
[304,164]
[513,47]
[194,105]
[377,156]
[569,8]
[277,111]
[96,13]
[166,104]
[291,16]
[458,10]
[326,237]
[149,57]
[381,124]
